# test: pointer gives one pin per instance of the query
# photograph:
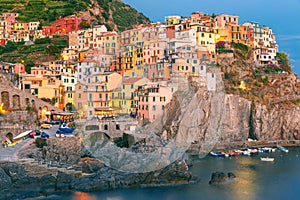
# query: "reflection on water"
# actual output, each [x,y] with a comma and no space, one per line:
[255,180]
[244,188]
[82,196]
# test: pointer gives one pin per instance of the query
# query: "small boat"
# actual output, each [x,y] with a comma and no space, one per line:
[217,154]
[282,148]
[267,159]
[66,129]
[253,151]
[23,135]
[247,153]
[238,151]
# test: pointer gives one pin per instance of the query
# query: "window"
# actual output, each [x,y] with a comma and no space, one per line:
[162,99]
[131,86]
[153,107]
[163,107]
[79,96]
[27,86]
[153,99]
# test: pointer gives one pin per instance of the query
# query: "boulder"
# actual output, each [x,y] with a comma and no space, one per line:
[231,175]
[5,180]
[220,177]
[217,177]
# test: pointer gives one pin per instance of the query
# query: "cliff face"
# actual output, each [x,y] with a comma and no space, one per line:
[259,121]
[236,124]
[278,122]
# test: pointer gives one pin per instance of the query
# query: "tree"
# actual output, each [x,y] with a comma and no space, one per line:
[28,65]
[84,25]
[69,107]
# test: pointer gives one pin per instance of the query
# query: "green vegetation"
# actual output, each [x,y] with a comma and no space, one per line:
[46,49]
[297,101]
[283,60]
[40,142]
[47,11]
[240,46]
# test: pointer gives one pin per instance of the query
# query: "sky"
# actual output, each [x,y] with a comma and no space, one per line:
[281,15]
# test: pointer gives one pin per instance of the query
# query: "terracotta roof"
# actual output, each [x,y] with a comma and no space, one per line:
[131,80]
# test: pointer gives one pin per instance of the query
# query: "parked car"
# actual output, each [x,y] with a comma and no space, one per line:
[44,135]
[46,126]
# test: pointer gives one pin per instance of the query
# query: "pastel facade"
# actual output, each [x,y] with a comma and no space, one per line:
[129,85]
[152,99]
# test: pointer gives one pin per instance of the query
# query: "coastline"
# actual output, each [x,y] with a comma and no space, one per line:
[194,149]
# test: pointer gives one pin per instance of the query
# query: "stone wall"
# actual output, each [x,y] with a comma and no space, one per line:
[15,99]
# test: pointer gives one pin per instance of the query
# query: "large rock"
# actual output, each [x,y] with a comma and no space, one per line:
[63,150]
[5,180]
[220,177]
[14,171]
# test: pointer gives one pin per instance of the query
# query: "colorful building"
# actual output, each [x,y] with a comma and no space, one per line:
[152,100]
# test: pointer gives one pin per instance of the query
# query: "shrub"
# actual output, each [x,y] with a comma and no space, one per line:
[45,40]
[40,142]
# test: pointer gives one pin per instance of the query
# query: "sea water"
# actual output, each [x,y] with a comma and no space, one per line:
[256,179]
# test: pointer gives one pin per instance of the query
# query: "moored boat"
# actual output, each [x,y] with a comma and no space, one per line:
[282,148]
[217,154]
[247,153]
[267,159]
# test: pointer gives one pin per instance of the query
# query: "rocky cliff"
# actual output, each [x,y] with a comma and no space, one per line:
[60,166]
[245,119]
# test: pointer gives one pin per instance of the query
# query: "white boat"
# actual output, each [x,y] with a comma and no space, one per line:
[247,153]
[22,135]
[282,148]
[267,159]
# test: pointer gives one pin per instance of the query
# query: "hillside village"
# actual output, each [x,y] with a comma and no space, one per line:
[107,73]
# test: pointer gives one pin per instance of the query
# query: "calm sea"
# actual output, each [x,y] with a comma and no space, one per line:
[255,180]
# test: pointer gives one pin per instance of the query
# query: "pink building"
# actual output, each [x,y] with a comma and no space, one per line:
[152,99]
[19,68]
[160,71]
[170,32]
[222,20]
[9,17]
[154,51]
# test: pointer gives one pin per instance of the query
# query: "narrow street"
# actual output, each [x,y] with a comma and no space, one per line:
[10,153]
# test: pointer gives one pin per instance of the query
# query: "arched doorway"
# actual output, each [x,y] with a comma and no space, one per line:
[5,100]
[10,137]
[16,102]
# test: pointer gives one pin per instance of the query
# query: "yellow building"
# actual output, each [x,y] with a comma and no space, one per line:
[171,20]
[222,34]
[133,61]
[129,85]
[116,100]
[206,37]
[20,26]
[111,42]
